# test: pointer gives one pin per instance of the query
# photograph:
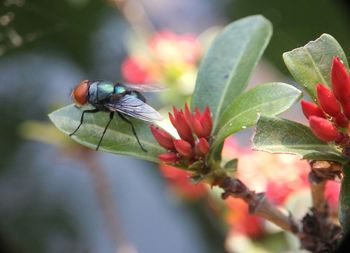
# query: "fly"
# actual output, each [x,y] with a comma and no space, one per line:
[115,98]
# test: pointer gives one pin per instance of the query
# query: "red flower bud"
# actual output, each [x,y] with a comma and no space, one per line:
[180,123]
[197,113]
[327,100]
[310,109]
[163,138]
[184,148]
[340,81]
[207,121]
[323,129]
[346,109]
[340,120]
[202,147]
[188,114]
[198,129]
[170,157]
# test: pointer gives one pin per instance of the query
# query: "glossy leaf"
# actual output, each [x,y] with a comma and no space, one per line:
[277,135]
[226,68]
[311,64]
[119,138]
[267,99]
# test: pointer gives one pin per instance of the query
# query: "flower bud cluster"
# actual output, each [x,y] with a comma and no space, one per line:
[331,116]
[194,130]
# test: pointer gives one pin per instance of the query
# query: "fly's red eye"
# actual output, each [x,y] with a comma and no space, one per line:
[80,93]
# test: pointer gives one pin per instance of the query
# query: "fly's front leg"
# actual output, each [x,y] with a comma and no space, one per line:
[133,130]
[82,119]
[111,114]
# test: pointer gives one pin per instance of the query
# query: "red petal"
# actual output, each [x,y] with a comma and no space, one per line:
[197,127]
[346,109]
[183,129]
[184,148]
[341,120]
[170,157]
[163,138]
[188,114]
[172,119]
[197,113]
[310,109]
[327,100]
[202,147]
[340,81]
[207,122]
[323,129]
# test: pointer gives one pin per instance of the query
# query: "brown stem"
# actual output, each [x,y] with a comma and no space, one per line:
[319,233]
[321,171]
[258,204]
[319,201]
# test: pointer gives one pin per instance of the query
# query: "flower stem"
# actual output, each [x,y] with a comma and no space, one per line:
[258,204]
[321,171]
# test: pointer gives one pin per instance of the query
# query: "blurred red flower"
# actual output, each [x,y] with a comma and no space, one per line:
[240,221]
[179,182]
[169,57]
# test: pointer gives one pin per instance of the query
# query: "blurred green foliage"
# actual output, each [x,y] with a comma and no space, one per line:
[64,25]
[296,22]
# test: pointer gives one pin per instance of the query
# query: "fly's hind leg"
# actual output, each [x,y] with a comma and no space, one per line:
[82,119]
[133,130]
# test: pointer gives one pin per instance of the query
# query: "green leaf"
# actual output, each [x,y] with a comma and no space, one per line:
[311,64]
[268,99]
[277,135]
[344,200]
[225,69]
[231,165]
[119,138]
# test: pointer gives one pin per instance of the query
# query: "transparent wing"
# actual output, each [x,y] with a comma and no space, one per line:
[145,87]
[134,107]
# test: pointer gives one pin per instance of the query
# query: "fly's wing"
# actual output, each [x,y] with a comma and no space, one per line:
[134,107]
[144,87]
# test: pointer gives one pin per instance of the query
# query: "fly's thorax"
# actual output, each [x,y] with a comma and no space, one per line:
[99,91]
[119,89]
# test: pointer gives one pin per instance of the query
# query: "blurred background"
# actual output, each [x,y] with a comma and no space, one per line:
[56,196]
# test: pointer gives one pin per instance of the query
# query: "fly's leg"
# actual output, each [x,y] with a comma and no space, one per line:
[82,119]
[111,114]
[133,130]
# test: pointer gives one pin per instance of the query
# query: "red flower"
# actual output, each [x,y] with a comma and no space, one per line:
[179,122]
[168,46]
[324,129]
[183,148]
[340,81]
[335,103]
[327,100]
[163,138]
[330,105]
[170,157]
[241,221]
[188,147]
[178,181]
[134,72]
[202,147]
[310,109]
